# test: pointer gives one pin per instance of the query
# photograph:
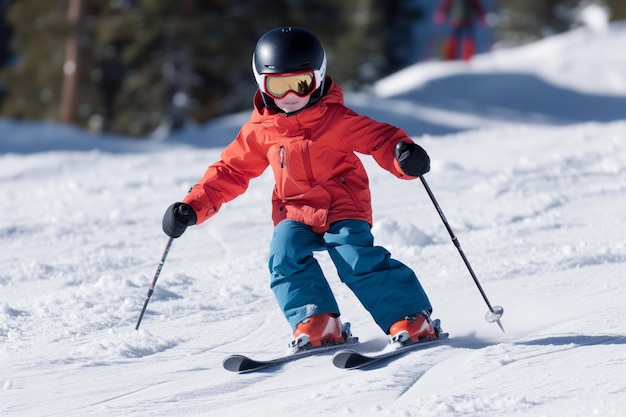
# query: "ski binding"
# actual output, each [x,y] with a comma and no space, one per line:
[351,359]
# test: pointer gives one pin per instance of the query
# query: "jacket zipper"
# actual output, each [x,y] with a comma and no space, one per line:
[285,165]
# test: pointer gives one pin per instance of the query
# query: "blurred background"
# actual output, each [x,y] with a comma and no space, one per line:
[145,68]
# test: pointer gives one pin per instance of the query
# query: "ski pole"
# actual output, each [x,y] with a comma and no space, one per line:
[154,280]
[495,312]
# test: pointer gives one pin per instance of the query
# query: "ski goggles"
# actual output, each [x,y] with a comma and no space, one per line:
[278,86]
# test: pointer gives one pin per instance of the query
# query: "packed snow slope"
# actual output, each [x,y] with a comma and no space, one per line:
[528,150]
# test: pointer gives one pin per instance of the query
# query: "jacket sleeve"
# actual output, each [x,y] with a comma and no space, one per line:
[229,177]
[377,139]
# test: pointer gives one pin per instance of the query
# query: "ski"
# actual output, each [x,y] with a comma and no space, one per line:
[351,359]
[242,363]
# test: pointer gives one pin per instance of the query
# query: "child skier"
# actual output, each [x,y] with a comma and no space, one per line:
[463,15]
[321,201]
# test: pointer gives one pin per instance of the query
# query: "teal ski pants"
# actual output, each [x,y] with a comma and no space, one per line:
[388,289]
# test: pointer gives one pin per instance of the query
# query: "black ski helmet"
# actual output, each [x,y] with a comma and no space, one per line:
[289,49]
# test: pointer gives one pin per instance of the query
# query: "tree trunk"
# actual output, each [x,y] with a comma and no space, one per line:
[71,66]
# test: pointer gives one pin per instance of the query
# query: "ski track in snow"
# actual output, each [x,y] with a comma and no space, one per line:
[530,227]
[539,211]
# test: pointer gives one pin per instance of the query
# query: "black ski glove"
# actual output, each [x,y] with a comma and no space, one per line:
[176,219]
[413,160]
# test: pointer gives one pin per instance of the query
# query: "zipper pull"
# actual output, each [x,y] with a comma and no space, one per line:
[281,152]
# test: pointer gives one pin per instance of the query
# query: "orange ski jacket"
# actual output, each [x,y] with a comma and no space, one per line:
[319,178]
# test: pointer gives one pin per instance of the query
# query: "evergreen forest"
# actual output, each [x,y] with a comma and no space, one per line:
[135,67]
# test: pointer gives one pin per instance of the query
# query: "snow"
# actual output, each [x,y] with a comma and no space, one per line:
[528,156]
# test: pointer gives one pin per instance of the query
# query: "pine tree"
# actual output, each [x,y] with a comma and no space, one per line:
[34,83]
[152,65]
[6,35]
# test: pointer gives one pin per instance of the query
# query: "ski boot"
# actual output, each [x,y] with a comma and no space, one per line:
[319,330]
[412,329]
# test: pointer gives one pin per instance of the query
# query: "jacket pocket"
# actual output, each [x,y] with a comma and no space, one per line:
[310,208]
[350,191]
